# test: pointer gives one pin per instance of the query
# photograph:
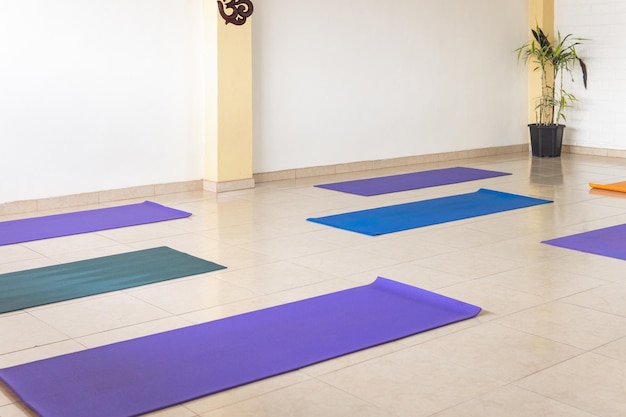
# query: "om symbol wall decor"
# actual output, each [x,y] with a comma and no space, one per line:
[241,10]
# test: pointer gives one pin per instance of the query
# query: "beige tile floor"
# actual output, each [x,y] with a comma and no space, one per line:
[550,342]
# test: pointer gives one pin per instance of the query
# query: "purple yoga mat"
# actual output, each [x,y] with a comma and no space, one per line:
[36,228]
[142,375]
[412,181]
[609,242]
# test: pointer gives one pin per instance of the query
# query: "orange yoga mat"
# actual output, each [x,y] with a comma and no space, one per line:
[616,186]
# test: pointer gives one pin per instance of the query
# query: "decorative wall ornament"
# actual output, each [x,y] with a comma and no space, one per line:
[241,10]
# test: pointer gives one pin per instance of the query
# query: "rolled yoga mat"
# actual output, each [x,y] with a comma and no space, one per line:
[145,374]
[34,287]
[411,181]
[609,241]
[35,228]
[406,216]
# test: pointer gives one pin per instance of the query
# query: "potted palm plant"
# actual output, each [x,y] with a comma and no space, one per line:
[553,61]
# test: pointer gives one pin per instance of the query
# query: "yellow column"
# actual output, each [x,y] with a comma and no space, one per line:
[228,102]
[542,14]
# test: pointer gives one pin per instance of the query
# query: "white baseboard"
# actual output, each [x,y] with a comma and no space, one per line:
[585,150]
[385,163]
[219,187]
[98,197]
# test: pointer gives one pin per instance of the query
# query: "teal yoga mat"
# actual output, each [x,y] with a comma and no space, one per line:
[406,216]
[34,287]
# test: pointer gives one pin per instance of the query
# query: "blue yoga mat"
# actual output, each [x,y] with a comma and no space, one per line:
[145,374]
[35,287]
[610,241]
[411,181]
[382,220]
[35,228]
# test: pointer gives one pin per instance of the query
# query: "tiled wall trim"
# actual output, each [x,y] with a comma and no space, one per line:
[385,163]
[220,187]
[584,150]
[98,197]
[146,191]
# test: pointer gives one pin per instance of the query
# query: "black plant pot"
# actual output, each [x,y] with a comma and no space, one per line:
[546,140]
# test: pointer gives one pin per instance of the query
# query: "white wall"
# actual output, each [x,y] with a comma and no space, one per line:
[106,94]
[354,80]
[598,119]
[98,94]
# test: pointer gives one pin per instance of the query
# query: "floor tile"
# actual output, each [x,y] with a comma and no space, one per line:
[495,301]
[511,401]
[15,253]
[343,262]
[4,397]
[40,352]
[132,331]
[411,274]
[64,244]
[138,233]
[469,263]
[607,298]
[192,293]
[430,384]
[566,323]
[176,411]
[231,309]
[18,266]
[244,233]
[544,281]
[307,399]
[528,249]
[23,331]
[274,277]
[345,361]
[90,253]
[97,314]
[462,237]
[245,392]
[406,248]
[13,410]
[505,354]
[314,290]
[289,247]
[615,350]
[590,265]
[590,382]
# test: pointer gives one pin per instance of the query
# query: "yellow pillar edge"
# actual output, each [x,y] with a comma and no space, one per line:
[228,103]
[542,14]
